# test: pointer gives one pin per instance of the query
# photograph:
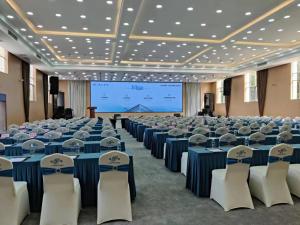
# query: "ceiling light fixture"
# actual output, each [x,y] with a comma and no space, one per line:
[58,15]
[10,16]
[190,9]
[177,22]
[219,11]
[151,21]
[30,13]
[130,9]
[159,6]
[82,16]
[109,2]
[248,13]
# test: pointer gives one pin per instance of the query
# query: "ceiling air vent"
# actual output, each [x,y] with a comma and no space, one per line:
[261,64]
[38,56]
[12,35]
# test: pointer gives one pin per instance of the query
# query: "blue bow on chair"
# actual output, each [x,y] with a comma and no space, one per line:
[6,173]
[273,159]
[106,168]
[230,161]
[64,170]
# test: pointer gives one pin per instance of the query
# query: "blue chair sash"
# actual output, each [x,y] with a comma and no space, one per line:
[64,170]
[273,159]
[106,168]
[6,173]
[230,161]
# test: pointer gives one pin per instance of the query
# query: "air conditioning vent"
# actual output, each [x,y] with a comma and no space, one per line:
[12,35]
[38,56]
[261,64]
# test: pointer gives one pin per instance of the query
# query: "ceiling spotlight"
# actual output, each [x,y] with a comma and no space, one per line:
[213,36]
[191,35]
[129,9]
[82,16]
[248,13]
[203,24]
[40,26]
[85,28]
[145,32]
[10,16]
[126,24]
[30,13]
[159,6]
[177,22]
[107,30]
[108,18]
[109,2]
[190,9]
[151,21]
[169,33]
[287,16]
[219,11]
[64,27]
[228,26]
[23,29]
[58,15]
[271,20]
[79,0]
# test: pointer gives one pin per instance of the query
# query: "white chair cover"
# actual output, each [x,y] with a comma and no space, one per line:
[200,130]
[110,142]
[63,130]
[53,126]
[228,138]
[14,206]
[13,126]
[221,131]
[108,133]
[268,183]
[107,128]
[237,125]
[293,179]
[62,194]
[21,137]
[285,136]
[254,125]
[285,128]
[257,137]
[13,131]
[175,132]
[39,130]
[198,139]
[2,148]
[52,135]
[33,146]
[266,129]
[73,145]
[81,135]
[86,128]
[113,188]
[245,130]
[229,186]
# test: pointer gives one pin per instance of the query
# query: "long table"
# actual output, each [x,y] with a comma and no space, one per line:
[202,161]
[86,170]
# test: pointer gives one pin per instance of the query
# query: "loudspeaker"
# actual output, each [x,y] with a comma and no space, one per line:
[209,101]
[227,87]
[54,85]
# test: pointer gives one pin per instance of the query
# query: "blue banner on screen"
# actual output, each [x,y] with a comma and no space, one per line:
[133,97]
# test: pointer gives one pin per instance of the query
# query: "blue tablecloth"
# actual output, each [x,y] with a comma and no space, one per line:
[86,170]
[201,163]
[157,147]
[148,137]
[174,149]
[55,147]
[134,129]
[140,132]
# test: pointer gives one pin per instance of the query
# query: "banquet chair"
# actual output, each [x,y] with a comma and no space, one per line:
[219,125]
[254,125]
[257,138]
[194,140]
[272,124]
[62,194]
[221,131]
[229,186]
[173,133]
[113,188]
[14,197]
[244,131]
[266,129]
[237,126]
[108,133]
[52,135]
[285,137]
[63,130]
[71,126]
[13,131]
[107,127]
[201,130]
[53,126]
[110,143]
[20,137]
[268,183]
[73,146]
[2,149]
[86,128]
[15,126]
[39,130]
[33,146]
[227,140]
[293,179]
[285,128]
[81,135]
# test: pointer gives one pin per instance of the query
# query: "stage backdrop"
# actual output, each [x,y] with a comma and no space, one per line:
[126,97]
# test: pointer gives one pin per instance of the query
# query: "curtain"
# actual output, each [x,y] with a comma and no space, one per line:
[192,99]
[262,81]
[227,105]
[26,88]
[45,94]
[77,96]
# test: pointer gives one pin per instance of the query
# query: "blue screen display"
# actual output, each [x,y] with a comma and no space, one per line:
[121,97]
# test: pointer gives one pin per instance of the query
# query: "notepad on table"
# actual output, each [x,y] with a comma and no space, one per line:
[18,159]
[215,150]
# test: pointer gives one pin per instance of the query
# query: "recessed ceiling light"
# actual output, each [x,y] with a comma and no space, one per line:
[280,30]
[262,29]
[249,32]
[169,33]
[298,4]
[159,6]
[79,0]
[213,36]
[298,31]
[123,35]
[82,16]
[190,9]
[248,13]
[107,30]
[228,26]
[177,22]
[126,24]
[271,20]
[151,21]
[191,35]
[36,42]
[287,16]
[219,11]
[108,18]
[129,9]
[23,29]
[145,32]
[260,39]
[277,40]
[10,16]
[30,13]
[85,28]
[109,2]
[64,27]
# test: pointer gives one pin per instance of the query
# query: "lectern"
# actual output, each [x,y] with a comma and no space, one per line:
[92,111]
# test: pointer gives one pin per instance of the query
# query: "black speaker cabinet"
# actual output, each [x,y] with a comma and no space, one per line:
[209,101]
[54,85]
[227,87]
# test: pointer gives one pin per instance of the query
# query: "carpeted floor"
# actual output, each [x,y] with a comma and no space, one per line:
[163,200]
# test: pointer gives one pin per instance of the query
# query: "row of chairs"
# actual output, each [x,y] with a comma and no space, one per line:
[33,146]
[272,184]
[62,192]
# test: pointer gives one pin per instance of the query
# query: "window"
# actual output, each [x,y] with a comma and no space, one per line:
[295,80]
[250,84]
[32,84]
[220,96]
[3,61]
